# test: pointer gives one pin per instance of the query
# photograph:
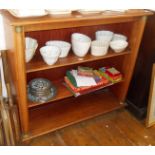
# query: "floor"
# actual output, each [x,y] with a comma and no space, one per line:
[117,128]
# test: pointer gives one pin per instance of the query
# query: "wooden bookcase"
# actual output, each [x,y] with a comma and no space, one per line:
[37,119]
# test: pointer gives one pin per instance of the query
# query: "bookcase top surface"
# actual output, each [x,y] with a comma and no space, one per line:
[75,16]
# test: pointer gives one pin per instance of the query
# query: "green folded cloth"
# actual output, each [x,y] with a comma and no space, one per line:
[71,78]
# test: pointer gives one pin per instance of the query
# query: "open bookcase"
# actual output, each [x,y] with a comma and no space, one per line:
[63,110]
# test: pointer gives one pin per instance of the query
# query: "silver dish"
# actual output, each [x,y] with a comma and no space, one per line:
[41,90]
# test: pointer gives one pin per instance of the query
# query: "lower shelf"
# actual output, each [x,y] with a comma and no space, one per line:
[61,114]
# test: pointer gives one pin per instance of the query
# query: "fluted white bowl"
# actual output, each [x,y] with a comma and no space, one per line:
[105,36]
[31,46]
[63,45]
[118,45]
[50,54]
[119,37]
[80,44]
[99,48]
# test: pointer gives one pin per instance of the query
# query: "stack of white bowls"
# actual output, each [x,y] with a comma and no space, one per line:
[100,46]
[50,54]
[104,36]
[119,43]
[63,45]
[31,46]
[80,44]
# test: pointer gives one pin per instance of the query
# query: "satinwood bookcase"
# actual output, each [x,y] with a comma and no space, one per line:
[37,119]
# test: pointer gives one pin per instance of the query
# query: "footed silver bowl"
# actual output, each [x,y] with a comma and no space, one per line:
[41,90]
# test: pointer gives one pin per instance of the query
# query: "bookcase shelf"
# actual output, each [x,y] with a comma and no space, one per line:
[37,64]
[63,93]
[60,114]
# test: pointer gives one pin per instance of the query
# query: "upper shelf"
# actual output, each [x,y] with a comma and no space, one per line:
[34,24]
[37,63]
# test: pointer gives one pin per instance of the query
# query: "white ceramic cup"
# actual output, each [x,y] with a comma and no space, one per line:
[80,44]
[50,54]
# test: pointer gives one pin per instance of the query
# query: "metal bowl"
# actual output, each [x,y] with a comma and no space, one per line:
[41,90]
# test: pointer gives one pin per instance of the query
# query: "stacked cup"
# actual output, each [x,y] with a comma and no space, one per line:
[100,46]
[63,45]
[53,50]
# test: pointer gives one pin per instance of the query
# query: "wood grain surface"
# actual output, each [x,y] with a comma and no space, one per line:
[118,128]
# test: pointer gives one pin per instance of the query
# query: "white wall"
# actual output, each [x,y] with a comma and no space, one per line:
[2,47]
[2,42]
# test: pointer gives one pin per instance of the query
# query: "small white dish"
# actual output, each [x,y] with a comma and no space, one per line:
[24,13]
[87,12]
[98,48]
[63,45]
[114,12]
[50,54]
[80,44]
[118,45]
[59,12]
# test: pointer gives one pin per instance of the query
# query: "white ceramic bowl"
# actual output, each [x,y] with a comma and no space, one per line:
[105,36]
[99,48]
[31,46]
[65,47]
[118,45]
[119,37]
[50,54]
[80,44]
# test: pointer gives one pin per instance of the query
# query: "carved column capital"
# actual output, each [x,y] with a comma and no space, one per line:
[18,29]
